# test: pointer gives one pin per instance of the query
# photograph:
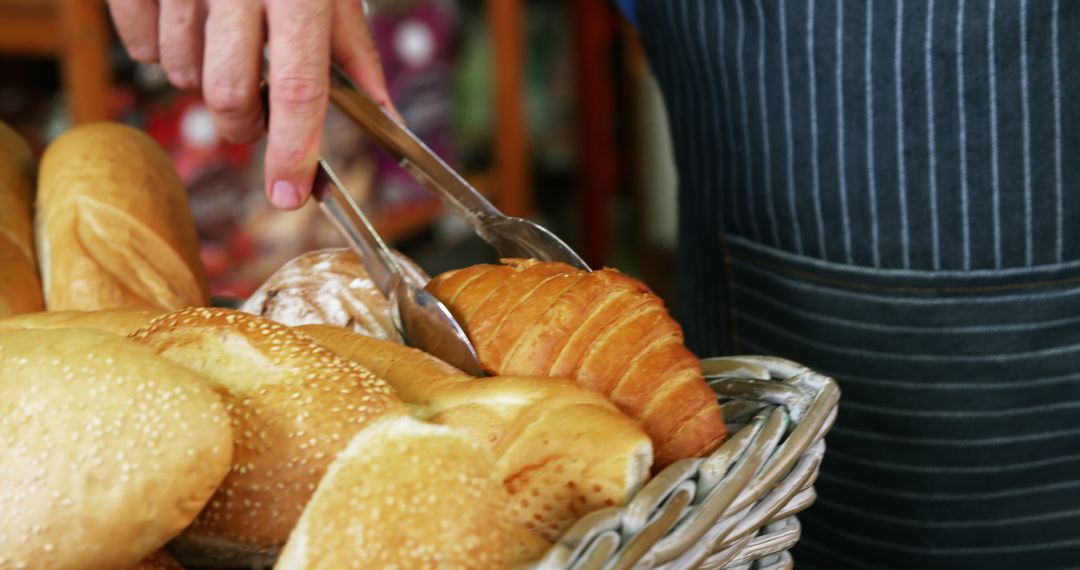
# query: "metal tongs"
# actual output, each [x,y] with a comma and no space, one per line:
[421,319]
[511,237]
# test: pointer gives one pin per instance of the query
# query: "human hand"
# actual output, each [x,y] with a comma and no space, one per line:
[217,46]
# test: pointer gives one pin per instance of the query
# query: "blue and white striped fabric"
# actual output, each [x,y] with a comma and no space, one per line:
[886,191]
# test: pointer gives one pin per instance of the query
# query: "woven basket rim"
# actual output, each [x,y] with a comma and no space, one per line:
[735,506]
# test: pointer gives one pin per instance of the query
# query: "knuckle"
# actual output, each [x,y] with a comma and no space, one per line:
[299,92]
[182,78]
[177,69]
[289,153]
[230,99]
[143,53]
[139,47]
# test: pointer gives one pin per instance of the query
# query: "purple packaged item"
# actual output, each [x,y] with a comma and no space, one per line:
[415,40]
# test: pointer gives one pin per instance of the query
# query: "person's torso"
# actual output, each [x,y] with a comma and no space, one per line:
[887,192]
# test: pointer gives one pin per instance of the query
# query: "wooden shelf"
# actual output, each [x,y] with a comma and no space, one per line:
[76,33]
[25,31]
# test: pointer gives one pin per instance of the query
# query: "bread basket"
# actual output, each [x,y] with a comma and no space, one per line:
[736,508]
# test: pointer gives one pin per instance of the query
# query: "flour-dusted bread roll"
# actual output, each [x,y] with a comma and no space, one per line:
[294,405]
[159,560]
[605,330]
[561,450]
[117,321]
[403,494]
[107,450]
[20,288]
[330,287]
[113,226]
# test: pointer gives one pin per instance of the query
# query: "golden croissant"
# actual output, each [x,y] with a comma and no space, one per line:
[603,329]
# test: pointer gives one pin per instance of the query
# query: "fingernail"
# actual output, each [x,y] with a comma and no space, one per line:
[284,195]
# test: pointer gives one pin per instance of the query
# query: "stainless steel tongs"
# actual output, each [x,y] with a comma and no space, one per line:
[421,319]
[511,237]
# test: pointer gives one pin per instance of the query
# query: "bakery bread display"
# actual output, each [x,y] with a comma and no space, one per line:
[561,450]
[293,404]
[113,227]
[330,287]
[107,450]
[20,288]
[403,494]
[116,321]
[141,429]
[605,330]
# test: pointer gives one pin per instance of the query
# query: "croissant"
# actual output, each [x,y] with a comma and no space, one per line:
[603,329]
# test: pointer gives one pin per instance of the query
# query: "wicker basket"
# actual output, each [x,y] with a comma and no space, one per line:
[734,509]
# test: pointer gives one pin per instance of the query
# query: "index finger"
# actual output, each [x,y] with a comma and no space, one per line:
[299,44]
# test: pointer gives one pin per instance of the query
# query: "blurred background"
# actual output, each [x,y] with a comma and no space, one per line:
[546,106]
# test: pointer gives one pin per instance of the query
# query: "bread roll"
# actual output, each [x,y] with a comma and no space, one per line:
[20,288]
[159,560]
[329,287]
[113,224]
[294,405]
[117,321]
[106,449]
[413,374]
[561,450]
[403,494]
[603,329]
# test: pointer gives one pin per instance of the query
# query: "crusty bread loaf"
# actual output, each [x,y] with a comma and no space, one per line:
[603,329]
[329,287]
[159,560]
[294,405]
[106,449]
[113,226]
[15,147]
[20,288]
[413,373]
[561,450]
[117,321]
[403,494]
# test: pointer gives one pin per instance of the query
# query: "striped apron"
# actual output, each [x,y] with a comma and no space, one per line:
[887,191]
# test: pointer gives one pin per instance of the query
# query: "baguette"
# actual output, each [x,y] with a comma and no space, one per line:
[603,329]
[20,287]
[107,450]
[117,321]
[561,450]
[294,406]
[113,226]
